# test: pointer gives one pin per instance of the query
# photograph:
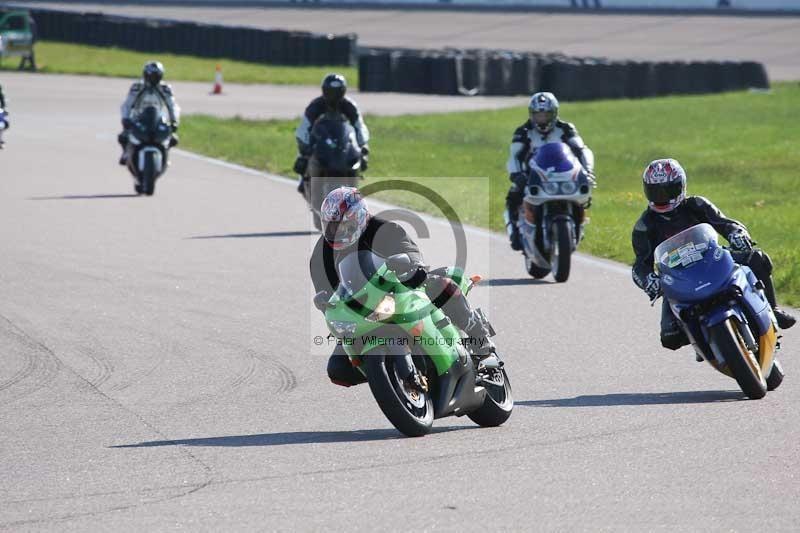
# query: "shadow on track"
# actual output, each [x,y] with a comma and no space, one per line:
[507,282]
[288,438]
[84,197]
[641,398]
[256,235]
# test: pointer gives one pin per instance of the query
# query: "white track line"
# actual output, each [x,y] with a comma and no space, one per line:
[604,264]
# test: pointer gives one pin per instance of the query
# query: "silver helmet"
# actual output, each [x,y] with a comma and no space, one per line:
[543,109]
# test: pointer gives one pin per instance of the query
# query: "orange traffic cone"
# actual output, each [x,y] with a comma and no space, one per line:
[217,81]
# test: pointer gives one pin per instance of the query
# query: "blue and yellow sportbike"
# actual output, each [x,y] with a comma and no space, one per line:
[415,360]
[721,307]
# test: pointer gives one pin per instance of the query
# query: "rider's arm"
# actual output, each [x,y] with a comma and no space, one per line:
[303,132]
[708,212]
[578,147]
[323,268]
[127,105]
[172,105]
[643,248]
[518,150]
[350,110]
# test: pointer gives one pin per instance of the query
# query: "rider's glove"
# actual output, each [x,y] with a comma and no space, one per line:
[300,165]
[127,123]
[174,126]
[652,286]
[321,300]
[740,240]
[519,179]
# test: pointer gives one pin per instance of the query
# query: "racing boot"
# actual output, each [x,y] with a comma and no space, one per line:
[301,185]
[514,238]
[674,338]
[479,331]
[785,320]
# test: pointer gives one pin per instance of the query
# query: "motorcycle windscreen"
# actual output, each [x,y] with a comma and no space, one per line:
[692,264]
[335,145]
[356,270]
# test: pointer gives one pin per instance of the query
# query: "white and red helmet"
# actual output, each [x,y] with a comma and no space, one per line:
[664,183]
[344,216]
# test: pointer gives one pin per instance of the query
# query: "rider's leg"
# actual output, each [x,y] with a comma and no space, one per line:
[761,265]
[672,335]
[122,139]
[446,295]
[513,202]
[341,371]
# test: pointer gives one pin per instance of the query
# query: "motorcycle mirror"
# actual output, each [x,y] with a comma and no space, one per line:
[399,263]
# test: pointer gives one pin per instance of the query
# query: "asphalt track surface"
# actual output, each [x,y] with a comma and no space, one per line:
[771,40]
[159,372]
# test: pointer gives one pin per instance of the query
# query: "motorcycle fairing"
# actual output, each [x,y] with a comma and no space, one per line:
[705,287]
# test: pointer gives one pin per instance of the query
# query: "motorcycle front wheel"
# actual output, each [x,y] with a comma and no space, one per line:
[148,176]
[725,339]
[560,256]
[408,409]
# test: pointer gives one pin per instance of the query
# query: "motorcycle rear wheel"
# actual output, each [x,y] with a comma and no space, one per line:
[775,377]
[410,411]
[535,270]
[726,338]
[497,406]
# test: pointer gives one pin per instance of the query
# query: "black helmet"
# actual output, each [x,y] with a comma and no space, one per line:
[333,88]
[153,73]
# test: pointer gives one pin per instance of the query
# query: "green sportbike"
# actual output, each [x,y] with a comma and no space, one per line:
[416,363]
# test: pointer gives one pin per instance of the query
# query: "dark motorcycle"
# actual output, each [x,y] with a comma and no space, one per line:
[335,160]
[552,216]
[150,140]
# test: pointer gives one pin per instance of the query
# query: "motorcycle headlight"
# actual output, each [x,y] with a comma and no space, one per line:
[384,310]
[568,187]
[343,328]
[550,187]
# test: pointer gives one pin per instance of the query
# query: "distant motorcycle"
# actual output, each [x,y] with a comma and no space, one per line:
[335,160]
[151,139]
[552,216]
[722,308]
[3,124]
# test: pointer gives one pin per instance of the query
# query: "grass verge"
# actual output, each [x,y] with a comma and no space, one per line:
[739,149]
[62,58]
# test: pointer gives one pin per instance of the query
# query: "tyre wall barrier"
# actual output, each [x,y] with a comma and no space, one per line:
[204,40]
[487,72]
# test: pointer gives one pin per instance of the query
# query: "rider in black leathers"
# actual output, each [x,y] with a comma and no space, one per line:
[3,107]
[334,88]
[669,212]
[349,227]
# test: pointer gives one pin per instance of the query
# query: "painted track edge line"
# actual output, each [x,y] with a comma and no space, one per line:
[605,264]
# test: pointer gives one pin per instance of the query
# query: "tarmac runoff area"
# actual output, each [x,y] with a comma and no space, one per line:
[159,370]
[771,40]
